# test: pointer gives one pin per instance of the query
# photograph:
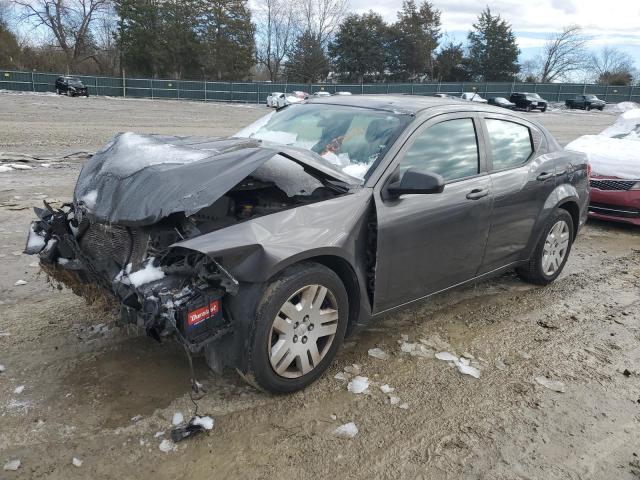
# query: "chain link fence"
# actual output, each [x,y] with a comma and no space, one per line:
[257,92]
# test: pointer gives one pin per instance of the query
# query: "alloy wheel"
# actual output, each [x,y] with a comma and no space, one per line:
[303,331]
[555,247]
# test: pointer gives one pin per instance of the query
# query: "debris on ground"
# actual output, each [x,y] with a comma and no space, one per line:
[12,465]
[177,419]
[378,353]
[348,430]
[204,422]
[416,349]
[76,462]
[393,400]
[19,389]
[19,283]
[358,384]
[2,368]
[341,376]
[463,364]
[136,418]
[404,406]
[352,369]
[167,446]
[386,388]
[555,385]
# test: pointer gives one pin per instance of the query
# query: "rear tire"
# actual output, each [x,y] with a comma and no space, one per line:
[528,108]
[549,257]
[288,353]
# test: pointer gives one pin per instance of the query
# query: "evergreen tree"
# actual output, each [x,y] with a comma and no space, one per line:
[415,35]
[138,36]
[10,52]
[360,48]
[307,62]
[228,39]
[451,65]
[493,50]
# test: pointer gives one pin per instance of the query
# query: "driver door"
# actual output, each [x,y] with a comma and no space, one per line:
[429,242]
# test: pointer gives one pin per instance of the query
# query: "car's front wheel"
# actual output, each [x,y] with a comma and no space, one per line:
[299,325]
[552,250]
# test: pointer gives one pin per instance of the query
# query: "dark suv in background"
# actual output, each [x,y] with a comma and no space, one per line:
[528,101]
[71,86]
[585,102]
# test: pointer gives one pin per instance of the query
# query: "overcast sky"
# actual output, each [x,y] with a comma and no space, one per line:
[614,22]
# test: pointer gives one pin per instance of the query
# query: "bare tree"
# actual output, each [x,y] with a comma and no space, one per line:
[610,60]
[275,34]
[563,53]
[69,21]
[321,18]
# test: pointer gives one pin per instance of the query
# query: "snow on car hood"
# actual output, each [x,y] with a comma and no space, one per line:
[139,179]
[615,152]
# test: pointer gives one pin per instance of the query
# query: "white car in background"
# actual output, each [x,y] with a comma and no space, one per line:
[276,100]
[472,97]
[321,93]
[343,93]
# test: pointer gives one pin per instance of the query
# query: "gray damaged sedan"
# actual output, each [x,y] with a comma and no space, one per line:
[263,250]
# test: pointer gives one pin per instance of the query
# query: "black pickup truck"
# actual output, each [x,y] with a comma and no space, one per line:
[528,101]
[585,102]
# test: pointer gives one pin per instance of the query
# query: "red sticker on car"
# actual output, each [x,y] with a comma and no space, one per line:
[195,317]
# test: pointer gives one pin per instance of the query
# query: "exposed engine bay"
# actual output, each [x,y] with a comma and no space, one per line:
[136,263]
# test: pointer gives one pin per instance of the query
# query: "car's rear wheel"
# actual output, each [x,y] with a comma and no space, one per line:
[588,108]
[543,109]
[552,251]
[299,325]
[528,108]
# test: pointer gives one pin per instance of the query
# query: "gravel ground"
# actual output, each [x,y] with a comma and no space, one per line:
[99,393]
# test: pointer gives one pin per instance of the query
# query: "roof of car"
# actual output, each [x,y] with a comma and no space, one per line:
[402,103]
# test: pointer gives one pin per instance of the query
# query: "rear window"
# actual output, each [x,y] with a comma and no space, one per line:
[510,143]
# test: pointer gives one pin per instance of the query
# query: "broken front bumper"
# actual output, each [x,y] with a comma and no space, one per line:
[109,265]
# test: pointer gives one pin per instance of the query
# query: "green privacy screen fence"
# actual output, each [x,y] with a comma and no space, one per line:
[256,92]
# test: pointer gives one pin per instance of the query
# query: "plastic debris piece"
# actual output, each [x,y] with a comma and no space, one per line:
[136,418]
[407,347]
[404,406]
[334,417]
[378,353]
[167,446]
[358,384]
[341,376]
[348,430]
[352,369]
[158,434]
[19,283]
[446,356]
[204,422]
[2,368]
[393,400]
[177,419]
[468,370]
[12,465]
[555,385]
[386,388]
[465,361]
[19,389]
[76,462]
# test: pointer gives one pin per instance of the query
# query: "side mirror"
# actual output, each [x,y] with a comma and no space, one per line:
[416,181]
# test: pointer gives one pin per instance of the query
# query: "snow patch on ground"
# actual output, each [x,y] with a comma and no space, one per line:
[12,465]
[348,430]
[177,419]
[378,353]
[167,446]
[358,384]
[621,107]
[204,422]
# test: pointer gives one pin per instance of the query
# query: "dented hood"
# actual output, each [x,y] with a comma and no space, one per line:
[140,179]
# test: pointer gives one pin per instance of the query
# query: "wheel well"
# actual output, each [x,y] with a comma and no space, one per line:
[574,211]
[343,269]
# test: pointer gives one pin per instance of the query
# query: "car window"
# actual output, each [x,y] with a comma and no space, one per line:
[510,143]
[449,148]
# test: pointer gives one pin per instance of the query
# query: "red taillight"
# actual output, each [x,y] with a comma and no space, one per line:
[588,170]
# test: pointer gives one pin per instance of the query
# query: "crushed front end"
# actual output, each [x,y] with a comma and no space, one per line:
[167,292]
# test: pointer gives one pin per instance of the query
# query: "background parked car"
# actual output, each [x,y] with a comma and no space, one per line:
[322,93]
[300,94]
[585,102]
[501,102]
[276,100]
[71,86]
[528,101]
[472,97]
[444,95]
[343,93]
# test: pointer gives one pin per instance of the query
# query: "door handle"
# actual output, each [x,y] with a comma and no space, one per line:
[477,193]
[545,176]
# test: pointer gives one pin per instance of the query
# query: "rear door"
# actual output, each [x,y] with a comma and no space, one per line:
[522,179]
[427,243]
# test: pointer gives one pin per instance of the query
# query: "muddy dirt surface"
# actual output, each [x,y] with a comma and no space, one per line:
[102,393]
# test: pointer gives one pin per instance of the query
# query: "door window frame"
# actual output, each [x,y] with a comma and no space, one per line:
[536,136]
[392,166]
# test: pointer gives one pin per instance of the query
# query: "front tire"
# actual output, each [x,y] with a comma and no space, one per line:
[551,252]
[299,325]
